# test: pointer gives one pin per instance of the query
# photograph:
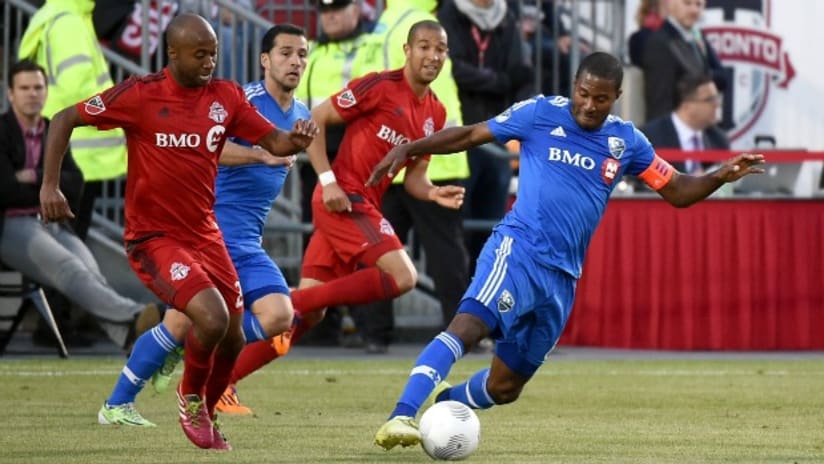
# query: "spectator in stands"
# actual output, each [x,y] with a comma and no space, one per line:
[52,254]
[119,26]
[62,39]
[649,17]
[439,230]
[543,16]
[692,126]
[491,72]
[676,49]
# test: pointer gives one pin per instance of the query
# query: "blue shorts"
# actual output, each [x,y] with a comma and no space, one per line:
[525,303]
[259,276]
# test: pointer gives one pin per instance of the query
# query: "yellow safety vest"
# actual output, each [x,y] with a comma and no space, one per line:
[61,38]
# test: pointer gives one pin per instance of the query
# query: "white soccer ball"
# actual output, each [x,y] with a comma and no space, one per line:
[450,431]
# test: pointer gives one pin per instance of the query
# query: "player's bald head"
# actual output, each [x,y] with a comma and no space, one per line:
[187,29]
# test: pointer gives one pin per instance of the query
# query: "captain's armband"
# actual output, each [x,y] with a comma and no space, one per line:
[657,174]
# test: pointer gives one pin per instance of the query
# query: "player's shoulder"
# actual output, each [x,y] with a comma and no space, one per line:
[374,79]
[254,89]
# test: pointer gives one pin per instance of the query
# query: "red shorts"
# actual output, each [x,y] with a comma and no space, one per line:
[343,242]
[176,271]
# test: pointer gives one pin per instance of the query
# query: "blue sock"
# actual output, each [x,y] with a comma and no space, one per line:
[147,356]
[252,328]
[432,366]
[472,393]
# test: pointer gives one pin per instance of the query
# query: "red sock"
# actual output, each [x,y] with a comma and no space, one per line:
[253,357]
[218,379]
[361,287]
[197,364]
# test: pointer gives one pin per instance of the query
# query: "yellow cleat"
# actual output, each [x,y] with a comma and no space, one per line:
[400,430]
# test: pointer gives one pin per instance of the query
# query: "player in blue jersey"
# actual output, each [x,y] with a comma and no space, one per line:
[244,198]
[573,153]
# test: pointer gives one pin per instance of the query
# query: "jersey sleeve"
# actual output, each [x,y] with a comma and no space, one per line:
[643,153]
[117,106]
[361,96]
[248,123]
[515,122]
[646,165]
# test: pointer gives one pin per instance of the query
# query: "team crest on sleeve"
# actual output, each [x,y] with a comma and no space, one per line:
[179,271]
[94,105]
[347,99]
[428,127]
[504,116]
[386,227]
[617,146]
[217,113]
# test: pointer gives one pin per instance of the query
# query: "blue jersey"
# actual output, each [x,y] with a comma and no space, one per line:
[245,193]
[566,176]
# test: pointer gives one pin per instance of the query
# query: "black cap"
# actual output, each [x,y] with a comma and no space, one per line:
[333,4]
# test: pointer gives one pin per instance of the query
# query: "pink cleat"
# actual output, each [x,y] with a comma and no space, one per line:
[219,440]
[195,420]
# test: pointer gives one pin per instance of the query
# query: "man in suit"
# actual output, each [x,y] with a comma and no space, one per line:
[693,124]
[677,49]
[52,254]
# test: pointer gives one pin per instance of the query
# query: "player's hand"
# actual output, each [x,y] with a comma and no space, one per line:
[303,132]
[335,198]
[740,166]
[388,166]
[53,205]
[448,196]
[272,160]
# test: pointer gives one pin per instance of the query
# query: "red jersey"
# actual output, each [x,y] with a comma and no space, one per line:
[174,137]
[381,111]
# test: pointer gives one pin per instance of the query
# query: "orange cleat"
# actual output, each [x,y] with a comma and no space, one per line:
[230,404]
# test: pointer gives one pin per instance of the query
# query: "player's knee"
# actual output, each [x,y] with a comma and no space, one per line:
[503,392]
[214,326]
[279,323]
[312,319]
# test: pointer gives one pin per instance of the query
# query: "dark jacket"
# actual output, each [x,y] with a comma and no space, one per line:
[14,194]
[667,58]
[662,134]
[505,77]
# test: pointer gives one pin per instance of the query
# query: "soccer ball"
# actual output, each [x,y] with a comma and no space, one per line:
[450,431]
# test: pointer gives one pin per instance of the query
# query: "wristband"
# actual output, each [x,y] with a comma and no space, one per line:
[326,178]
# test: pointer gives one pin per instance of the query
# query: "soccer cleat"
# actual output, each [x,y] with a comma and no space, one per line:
[283,342]
[218,439]
[163,376]
[432,398]
[122,414]
[195,421]
[230,404]
[399,430]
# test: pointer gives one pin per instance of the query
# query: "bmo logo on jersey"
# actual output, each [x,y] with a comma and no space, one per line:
[391,136]
[567,157]
[213,139]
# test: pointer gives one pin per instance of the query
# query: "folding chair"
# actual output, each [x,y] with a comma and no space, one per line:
[31,294]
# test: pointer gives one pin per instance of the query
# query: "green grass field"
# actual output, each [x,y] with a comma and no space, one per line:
[326,411]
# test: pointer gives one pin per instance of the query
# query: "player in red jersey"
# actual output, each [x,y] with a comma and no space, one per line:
[176,122]
[354,256]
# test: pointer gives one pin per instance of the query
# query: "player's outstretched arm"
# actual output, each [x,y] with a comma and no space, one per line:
[334,198]
[53,204]
[280,143]
[446,141]
[234,154]
[683,190]
[417,183]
